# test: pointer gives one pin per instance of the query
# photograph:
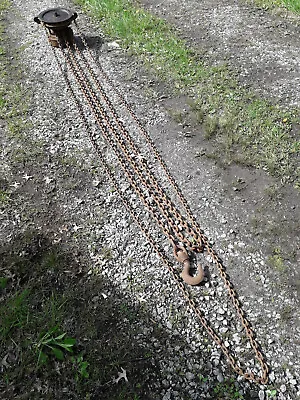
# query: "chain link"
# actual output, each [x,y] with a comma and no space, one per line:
[176,227]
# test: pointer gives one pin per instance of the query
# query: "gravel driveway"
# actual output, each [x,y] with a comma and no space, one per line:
[234,206]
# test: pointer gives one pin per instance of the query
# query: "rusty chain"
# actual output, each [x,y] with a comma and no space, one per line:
[176,227]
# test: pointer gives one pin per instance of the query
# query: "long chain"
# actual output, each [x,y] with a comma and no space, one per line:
[142,180]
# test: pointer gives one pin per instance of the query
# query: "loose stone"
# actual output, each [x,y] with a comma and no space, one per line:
[189,376]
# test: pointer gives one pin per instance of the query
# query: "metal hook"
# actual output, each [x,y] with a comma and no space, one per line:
[182,256]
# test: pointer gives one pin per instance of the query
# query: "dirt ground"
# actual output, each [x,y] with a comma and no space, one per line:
[65,234]
[262,47]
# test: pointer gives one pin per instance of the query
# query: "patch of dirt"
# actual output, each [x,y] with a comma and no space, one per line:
[262,48]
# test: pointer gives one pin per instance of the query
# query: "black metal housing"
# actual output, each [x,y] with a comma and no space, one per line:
[57,21]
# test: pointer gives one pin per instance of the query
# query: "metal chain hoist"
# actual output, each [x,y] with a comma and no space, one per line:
[182,231]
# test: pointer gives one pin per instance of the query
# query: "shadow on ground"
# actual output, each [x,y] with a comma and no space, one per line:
[43,286]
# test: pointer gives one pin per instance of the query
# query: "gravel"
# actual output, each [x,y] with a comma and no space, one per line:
[96,216]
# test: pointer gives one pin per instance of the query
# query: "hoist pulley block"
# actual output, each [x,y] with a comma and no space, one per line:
[56,22]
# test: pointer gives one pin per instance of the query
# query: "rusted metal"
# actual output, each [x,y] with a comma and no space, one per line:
[182,256]
[182,231]
[56,22]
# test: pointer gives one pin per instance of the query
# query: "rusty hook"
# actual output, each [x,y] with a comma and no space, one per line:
[182,256]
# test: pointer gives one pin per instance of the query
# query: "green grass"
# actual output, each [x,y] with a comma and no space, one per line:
[227,390]
[276,260]
[244,128]
[43,310]
[291,5]
[4,197]
[4,5]
[14,313]
[32,310]
[13,99]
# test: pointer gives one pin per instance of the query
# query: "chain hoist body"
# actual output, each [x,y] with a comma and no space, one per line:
[57,22]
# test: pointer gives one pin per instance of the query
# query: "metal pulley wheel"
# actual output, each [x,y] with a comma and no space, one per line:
[57,21]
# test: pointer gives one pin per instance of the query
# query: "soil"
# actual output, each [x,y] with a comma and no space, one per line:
[262,47]
[124,309]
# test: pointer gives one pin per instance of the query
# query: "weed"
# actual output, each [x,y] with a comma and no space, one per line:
[52,342]
[81,367]
[210,126]
[227,390]
[197,113]
[202,378]
[4,197]
[3,283]
[276,261]
[14,314]
[271,393]
[107,253]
